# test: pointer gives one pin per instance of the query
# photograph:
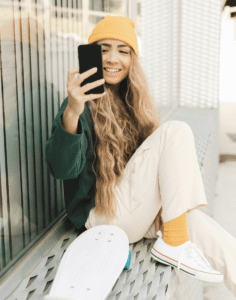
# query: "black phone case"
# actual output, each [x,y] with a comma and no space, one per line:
[90,56]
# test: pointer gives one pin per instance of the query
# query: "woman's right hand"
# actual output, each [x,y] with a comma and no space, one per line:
[76,96]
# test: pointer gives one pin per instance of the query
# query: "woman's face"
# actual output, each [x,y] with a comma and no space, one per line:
[116,55]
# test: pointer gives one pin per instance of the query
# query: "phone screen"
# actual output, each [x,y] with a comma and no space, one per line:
[90,56]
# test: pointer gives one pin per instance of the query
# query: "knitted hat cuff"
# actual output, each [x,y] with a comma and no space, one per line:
[101,31]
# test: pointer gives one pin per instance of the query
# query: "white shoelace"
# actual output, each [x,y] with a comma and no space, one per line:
[190,247]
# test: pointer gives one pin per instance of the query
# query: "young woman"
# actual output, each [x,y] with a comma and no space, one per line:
[146,176]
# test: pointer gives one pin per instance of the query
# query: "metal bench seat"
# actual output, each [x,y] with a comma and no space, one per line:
[146,279]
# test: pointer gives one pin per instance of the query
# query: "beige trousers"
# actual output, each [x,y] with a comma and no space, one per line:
[162,181]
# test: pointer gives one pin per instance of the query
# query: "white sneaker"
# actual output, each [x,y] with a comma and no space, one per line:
[187,258]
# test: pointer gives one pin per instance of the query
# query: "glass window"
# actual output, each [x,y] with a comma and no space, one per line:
[112,6]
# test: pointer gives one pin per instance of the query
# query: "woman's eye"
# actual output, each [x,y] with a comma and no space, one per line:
[120,51]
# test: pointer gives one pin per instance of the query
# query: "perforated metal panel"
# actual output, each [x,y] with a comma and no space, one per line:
[180,51]
[160,38]
[146,279]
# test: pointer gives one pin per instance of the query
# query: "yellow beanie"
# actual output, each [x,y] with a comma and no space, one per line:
[119,28]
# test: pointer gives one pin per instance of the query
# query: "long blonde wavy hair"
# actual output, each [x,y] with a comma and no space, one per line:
[121,125]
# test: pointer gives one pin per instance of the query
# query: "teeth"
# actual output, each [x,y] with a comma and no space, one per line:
[111,70]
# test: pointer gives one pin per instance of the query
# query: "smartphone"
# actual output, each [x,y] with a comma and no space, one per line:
[90,56]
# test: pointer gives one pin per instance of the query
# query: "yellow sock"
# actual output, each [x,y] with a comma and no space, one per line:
[175,232]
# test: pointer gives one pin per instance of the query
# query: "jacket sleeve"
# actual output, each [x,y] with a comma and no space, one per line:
[65,151]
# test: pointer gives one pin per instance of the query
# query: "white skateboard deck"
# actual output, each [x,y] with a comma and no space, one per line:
[91,265]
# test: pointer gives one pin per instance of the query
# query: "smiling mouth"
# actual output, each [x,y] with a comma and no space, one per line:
[112,71]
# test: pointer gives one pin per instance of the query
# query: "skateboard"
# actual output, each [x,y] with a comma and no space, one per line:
[91,264]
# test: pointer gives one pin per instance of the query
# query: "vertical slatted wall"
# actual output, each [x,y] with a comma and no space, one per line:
[39,42]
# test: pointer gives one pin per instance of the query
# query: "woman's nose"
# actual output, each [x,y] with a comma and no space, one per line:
[113,56]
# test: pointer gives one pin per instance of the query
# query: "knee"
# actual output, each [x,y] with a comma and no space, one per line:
[176,126]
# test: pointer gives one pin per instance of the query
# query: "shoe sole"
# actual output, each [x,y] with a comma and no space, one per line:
[203,276]
[91,264]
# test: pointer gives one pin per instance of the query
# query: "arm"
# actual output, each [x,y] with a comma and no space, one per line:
[70,121]
[64,150]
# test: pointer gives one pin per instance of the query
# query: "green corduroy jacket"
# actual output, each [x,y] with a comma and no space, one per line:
[70,157]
